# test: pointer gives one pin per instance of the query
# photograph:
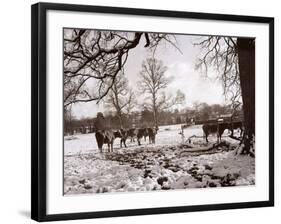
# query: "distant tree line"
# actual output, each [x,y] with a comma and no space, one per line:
[145,118]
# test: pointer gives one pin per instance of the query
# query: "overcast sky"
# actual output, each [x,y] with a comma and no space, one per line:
[181,66]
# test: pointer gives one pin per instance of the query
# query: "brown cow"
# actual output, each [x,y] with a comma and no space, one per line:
[151,134]
[105,137]
[131,133]
[215,128]
[141,132]
[145,134]
[122,134]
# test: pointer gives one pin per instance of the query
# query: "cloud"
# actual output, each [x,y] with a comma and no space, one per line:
[195,86]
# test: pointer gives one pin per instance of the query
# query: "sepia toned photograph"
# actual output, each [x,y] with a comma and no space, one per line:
[147,111]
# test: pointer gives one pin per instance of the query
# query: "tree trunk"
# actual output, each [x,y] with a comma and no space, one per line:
[155,117]
[120,119]
[117,106]
[246,60]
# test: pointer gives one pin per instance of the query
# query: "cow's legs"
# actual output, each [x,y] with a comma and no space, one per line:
[100,147]
[99,140]
[206,136]
[124,143]
[219,136]
[151,140]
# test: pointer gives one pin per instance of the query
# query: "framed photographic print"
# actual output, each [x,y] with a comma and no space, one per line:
[139,111]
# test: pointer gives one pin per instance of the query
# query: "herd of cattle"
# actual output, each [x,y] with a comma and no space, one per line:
[108,136]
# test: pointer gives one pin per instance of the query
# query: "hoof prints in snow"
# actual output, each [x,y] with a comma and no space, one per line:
[155,168]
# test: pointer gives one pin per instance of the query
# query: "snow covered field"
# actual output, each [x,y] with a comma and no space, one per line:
[85,143]
[163,166]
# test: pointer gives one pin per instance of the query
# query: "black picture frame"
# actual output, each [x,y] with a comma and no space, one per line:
[39,108]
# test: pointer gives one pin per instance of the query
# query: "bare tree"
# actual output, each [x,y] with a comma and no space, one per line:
[179,98]
[167,102]
[153,81]
[234,59]
[93,56]
[120,97]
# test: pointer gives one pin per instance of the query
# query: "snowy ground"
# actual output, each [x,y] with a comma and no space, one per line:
[163,166]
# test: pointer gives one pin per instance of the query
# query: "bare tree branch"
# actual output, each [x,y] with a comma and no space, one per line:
[98,56]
